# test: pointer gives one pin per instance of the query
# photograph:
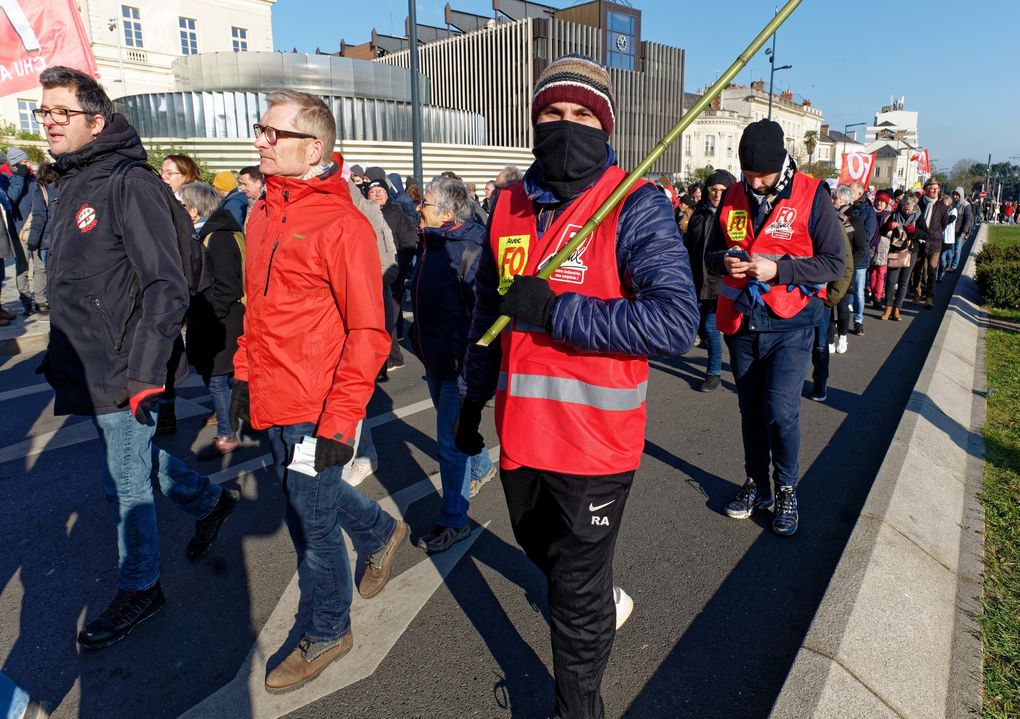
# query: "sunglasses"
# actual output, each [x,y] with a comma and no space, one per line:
[272,134]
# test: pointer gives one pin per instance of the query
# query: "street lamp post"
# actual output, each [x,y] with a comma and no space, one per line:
[114,25]
[415,94]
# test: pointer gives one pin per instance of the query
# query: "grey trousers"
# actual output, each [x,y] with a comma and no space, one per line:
[31,277]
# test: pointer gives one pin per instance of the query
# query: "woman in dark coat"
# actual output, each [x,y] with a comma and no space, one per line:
[216,316]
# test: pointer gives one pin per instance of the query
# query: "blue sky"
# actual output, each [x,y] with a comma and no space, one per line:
[957,64]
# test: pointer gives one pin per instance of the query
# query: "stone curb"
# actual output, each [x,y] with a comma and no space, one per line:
[895,634]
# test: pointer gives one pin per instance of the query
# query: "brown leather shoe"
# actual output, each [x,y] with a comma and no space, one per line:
[887,313]
[380,564]
[5,315]
[895,314]
[296,670]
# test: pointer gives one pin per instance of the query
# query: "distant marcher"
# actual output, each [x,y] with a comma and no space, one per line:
[41,230]
[903,251]
[231,198]
[216,315]
[30,268]
[862,210]
[839,324]
[929,226]
[251,182]
[508,176]
[964,226]
[179,170]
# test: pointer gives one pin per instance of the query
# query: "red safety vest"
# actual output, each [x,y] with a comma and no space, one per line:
[559,409]
[785,233]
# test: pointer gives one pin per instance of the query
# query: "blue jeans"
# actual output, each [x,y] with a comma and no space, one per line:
[711,337]
[219,389]
[857,292]
[769,369]
[317,509]
[820,353]
[130,457]
[456,469]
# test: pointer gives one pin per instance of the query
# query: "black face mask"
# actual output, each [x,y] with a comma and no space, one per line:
[571,155]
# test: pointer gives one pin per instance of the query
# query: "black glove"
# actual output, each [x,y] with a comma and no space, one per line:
[466,436]
[240,405]
[331,453]
[139,397]
[530,299]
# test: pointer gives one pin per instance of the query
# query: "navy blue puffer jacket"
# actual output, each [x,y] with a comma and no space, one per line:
[658,316]
[443,296]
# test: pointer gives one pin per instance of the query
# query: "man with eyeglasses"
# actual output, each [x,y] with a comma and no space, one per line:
[314,340]
[117,301]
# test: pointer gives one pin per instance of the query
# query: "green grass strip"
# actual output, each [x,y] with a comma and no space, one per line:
[1004,235]
[1000,619]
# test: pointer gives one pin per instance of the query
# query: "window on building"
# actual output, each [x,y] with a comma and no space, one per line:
[28,121]
[709,145]
[899,172]
[621,38]
[729,146]
[239,37]
[687,147]
[878,172]
[189,36]
[131,19]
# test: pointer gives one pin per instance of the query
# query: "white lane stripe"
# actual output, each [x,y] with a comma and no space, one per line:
[377,623]
[24,391]
[80,432]
[76,434]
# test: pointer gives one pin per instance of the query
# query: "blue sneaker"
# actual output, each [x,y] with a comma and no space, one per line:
[747,500]
[785,522]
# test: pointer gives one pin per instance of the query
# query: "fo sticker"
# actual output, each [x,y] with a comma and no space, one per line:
[736,225]
[85,218]
[782,227]
[513,258]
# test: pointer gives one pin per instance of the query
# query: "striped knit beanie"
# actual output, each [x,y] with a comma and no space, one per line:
[579,79]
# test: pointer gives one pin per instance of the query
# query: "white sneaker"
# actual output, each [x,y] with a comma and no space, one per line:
[476,484]
[361,467]
[841,345]
[624,606]
[832,348]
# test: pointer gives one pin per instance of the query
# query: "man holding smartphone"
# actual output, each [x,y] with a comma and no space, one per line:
[777,242]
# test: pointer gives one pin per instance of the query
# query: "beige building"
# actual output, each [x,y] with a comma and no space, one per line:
[713,138]
[136,41]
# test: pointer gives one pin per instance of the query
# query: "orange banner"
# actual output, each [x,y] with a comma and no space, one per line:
[857,167]
[36,34]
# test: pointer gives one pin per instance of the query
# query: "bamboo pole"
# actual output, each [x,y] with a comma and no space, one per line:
[638,172]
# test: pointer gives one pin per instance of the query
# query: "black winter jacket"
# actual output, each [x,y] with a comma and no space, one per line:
[443,296]
[699,229]
[116,303]
[216,316]
[405,234]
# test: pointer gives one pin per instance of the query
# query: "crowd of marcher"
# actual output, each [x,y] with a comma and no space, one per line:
[283,285]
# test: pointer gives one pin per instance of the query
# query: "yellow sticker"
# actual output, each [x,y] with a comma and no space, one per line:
[736,225]
[513,258]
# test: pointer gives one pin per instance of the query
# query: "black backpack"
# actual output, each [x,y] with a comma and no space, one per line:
[193,261]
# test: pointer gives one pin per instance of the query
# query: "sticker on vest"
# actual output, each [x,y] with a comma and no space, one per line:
[782,227]
[513,258]
[736,225]
[86,219]
[573,269]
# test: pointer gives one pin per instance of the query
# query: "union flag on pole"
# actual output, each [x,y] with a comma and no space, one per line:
[857,167]
[921,158]
[36,34]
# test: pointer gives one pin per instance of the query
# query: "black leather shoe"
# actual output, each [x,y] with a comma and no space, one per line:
[208,528]
[126,611]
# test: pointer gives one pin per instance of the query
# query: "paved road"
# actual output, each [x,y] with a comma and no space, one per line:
[721,606]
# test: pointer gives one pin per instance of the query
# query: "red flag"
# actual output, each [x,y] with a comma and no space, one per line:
[857,167]
[36,34]
[923,166]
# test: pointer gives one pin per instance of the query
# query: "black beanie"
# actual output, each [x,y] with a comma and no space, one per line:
[761,147]
[366,186]
[720,177]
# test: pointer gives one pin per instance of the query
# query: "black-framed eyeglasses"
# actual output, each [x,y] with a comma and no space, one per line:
[60,115]
[272,134]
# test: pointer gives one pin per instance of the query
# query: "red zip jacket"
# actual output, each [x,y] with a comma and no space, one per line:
[314,330]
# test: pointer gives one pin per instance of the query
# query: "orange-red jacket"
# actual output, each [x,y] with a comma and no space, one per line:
[785,233]
[314,331]
[557,408]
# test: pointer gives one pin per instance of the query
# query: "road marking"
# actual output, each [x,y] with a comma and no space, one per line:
[24,391]
[399,413]
[377,624]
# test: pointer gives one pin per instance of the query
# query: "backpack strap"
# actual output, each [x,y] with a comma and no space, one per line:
[115,187]
[467,258]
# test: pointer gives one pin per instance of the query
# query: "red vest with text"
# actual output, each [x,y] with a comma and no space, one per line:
[557,408]
[784,233]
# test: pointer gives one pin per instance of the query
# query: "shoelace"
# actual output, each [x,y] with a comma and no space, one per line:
[784,503]
[746,491]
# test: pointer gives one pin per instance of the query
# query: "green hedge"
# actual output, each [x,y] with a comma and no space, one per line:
[998,275]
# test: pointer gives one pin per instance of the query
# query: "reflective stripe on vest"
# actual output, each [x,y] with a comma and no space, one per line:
[561,389]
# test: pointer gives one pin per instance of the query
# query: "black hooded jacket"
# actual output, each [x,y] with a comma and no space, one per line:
[116,302]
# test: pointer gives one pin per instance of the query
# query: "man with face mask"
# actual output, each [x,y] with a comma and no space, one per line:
[570,374]
[777,242]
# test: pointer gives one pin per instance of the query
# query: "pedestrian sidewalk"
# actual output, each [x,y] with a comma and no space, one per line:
[24,334]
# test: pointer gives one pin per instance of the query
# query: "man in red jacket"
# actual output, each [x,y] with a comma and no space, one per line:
[314,340]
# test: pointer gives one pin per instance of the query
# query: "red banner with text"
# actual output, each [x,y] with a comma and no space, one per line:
[36,34]
[923,164]
[857,167]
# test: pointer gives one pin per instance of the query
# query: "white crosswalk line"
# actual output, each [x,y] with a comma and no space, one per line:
[383,620]
[24,391]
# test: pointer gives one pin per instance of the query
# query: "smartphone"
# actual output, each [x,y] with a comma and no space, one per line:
[739,254]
